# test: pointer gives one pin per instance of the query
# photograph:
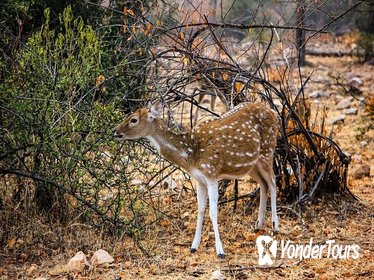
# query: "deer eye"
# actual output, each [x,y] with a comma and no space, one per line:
[133,120]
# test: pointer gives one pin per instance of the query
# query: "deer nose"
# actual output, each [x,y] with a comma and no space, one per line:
[116,134]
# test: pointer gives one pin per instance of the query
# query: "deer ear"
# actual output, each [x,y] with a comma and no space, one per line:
[155,110]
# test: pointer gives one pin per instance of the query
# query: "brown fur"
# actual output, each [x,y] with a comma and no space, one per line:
[224,147]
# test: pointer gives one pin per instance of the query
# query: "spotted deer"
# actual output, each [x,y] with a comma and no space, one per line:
[238,143]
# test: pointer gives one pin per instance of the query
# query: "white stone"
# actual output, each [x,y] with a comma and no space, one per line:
[355,82]
[217,275]
[344,103]
[101,257]
[338,119]
[78,262]
[318,94]
[350,111]
[363,143]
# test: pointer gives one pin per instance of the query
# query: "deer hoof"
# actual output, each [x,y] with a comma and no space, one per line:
[221,256]
[275,229]
[193,250]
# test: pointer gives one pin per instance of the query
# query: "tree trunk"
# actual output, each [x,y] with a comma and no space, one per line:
[300,34]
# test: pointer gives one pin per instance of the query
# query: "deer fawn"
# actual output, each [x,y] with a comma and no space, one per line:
[240,142]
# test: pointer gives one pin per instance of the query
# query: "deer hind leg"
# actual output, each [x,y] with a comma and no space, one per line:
[199,100]
[213,102]
[256,175]
[266,171]
[202,195]
[213,213]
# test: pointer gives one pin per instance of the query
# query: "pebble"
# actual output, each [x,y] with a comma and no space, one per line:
[363,143]
[355,82]
[350,111]
[344,103]
[318,94]
[217,275]
[357,158]
[338,119]
[101,257]
[78,262]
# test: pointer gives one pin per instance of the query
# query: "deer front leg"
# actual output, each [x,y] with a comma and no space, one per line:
[213,213]
[202,196]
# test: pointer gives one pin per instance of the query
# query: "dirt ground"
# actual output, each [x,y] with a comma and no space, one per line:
[168,242]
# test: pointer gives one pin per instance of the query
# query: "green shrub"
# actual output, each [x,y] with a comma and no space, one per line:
[54,117]
[365,46]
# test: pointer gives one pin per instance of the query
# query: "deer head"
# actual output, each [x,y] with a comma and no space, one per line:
[139,124]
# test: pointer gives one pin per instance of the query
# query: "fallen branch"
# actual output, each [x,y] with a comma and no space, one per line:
[333,53]
[236,269]
[250,195]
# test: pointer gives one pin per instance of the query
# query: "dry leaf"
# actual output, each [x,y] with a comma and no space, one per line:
[238,86]
[58,270]
[11,242]
[31,269]
[225,76]
[130,12]
[181,35]
[185,61]
[165,223]
[249,236]
[99,80]
[147,30]
[152,269]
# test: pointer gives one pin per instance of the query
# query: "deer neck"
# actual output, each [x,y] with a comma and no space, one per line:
[175,147]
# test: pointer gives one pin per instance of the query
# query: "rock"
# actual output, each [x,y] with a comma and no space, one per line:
[362,171]
[355,82]
[185,215]
[336,97]
[78,262]
[217,275]
[338,119]
[363,144]
[318,94]
[344,103]
[357,158]
[350,111]
[101,257]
